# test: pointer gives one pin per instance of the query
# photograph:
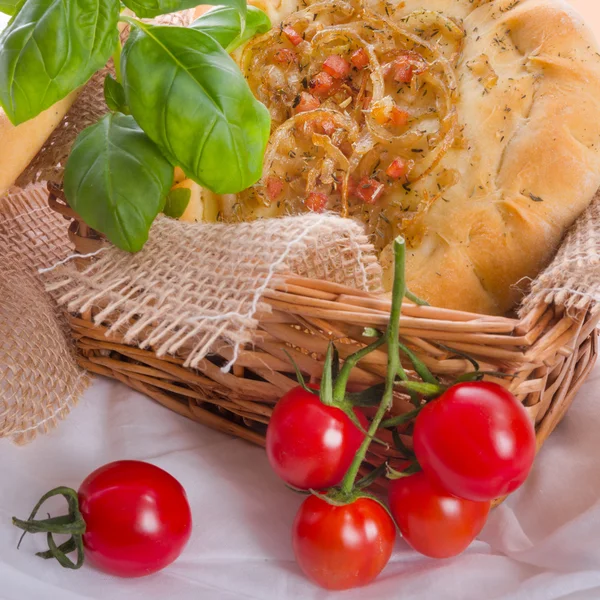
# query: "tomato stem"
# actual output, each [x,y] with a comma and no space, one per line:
[418,301]
[339,389]
[401,419]
[392,338]
[72,524]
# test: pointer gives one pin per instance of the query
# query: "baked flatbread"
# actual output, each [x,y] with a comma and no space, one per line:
[470,127]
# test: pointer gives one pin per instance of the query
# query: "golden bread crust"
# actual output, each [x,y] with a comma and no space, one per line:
[527,161]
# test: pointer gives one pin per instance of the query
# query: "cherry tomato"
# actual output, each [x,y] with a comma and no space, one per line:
[432,521]
[476,441]
[341,547]
[310,445]
[137,517]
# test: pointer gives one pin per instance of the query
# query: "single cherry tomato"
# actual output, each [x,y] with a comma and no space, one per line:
[316,201]
[321,84]
[431,520]
[476,440]
[342,547]
[310,445]
[398,168]
[292,35]
[137,517]
[307,102]
[274,187]
[359,59]
[337,67]
[369,190]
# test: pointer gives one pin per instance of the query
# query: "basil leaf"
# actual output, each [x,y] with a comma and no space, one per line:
[189,96]
[114,95]
[153,8]
[117,180]
[50,49]
[223,24]
[177,201]
[10,7]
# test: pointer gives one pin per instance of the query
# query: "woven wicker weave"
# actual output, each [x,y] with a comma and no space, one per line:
[546,354]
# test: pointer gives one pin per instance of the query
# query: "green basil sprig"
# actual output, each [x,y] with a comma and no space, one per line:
[191,99]
[178,100]
[117,180]
[50,48]
[223,24]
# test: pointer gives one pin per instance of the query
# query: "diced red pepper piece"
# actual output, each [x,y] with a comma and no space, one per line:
[274,187]
[397,169]
[359,59]
[403,70]
[337,67]
[307,102]
[292,35]
[369,190]
[398,117]
[316,201]
[321,84]
[285,56]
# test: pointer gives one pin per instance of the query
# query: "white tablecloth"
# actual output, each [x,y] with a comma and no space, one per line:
[543,544]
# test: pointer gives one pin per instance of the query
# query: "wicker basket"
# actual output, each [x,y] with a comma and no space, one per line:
[547,354]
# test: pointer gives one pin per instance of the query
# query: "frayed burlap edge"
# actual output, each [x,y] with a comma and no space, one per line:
[196,285]
[39,378]
[572,280]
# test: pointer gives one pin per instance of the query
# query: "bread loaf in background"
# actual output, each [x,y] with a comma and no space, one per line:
[22,142]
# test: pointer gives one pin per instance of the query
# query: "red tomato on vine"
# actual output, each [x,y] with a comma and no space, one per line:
[431,520]
[342,547]
[311,445]
[476,441]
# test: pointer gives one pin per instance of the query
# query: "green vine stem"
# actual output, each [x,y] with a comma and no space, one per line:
[72,524]
[391,337]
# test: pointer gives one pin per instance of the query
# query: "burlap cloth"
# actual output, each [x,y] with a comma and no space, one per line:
[192,287]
